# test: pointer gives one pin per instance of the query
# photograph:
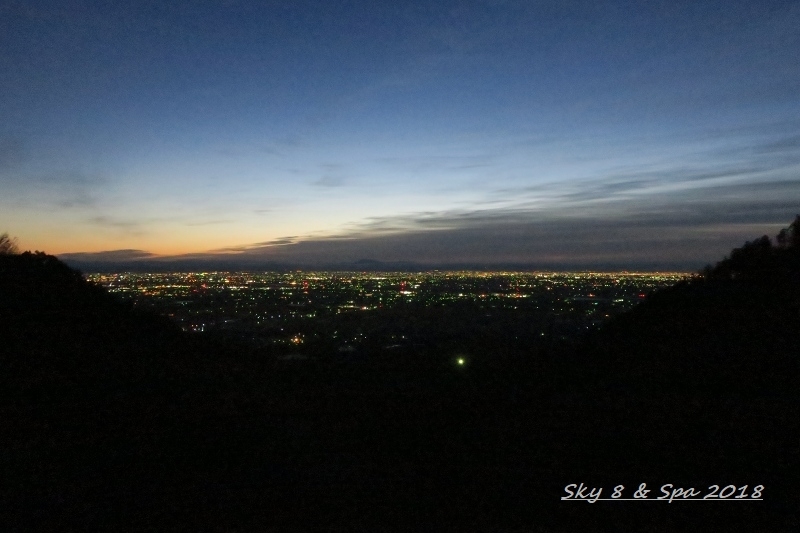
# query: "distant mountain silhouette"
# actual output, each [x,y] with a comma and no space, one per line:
[116,420]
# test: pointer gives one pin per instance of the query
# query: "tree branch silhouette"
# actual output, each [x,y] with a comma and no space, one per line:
[8,245]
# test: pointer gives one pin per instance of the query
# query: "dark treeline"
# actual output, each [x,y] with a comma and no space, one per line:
[114,419]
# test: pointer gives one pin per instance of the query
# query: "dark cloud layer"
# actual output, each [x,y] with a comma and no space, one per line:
[682,216]
[681,233]
[109,256]
[668,239]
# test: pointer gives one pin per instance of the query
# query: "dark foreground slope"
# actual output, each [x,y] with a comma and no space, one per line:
[699,384]
[97,399]
[115,420]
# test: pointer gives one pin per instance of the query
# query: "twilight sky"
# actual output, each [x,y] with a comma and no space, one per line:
[574,134]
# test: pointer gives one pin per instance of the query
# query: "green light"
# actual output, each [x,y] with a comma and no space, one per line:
[460,361]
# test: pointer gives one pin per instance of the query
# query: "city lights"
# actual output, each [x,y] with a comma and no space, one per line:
[297,310]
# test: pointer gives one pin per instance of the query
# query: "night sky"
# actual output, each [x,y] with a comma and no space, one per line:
[574,134]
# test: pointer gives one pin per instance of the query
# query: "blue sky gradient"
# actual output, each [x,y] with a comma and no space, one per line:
[629,134]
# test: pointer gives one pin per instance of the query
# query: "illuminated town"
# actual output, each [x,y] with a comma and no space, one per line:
[301,314]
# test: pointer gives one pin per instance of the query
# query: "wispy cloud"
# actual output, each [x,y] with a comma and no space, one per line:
[102,220]
[329,181]
[126,226]
[448,163]
[245,248]
[66,190]
[109,256]
[30,175]
[210,222]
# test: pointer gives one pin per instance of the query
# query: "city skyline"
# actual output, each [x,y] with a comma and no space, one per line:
[486,133]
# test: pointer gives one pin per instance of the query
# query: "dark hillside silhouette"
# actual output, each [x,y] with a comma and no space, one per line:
[738,316]
[116,420]
[704,376]
[98,400]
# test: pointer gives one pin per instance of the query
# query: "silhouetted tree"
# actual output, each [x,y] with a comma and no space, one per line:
[8,245]
[782,239]
[793,237]
[759,259]
[789,237]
